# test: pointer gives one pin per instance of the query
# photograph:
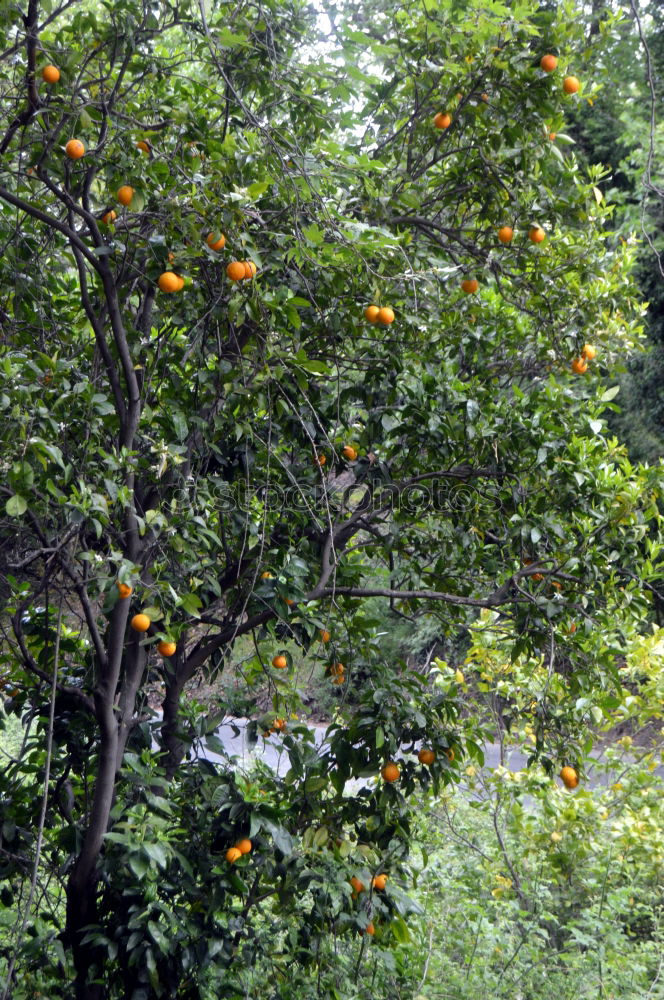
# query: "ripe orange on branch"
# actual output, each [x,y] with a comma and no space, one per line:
[166,648]
[279,661]
[536,234]
[124,589]
[548,63]
[125,194]
[349,453]
[391,772]
[442,120]
[143,146]
[140,623]
[580,366]
[588,352]
[505,234]
[470,285]
[109,217]
[75,149]
[216,244]
[571,85]
[385,316]
[235,270]
[379,881]
[569,777]
[426,756]
[170,282]
[357,884]
[233,855]
[50,74]
[371,314]
[325,635]
[244,846]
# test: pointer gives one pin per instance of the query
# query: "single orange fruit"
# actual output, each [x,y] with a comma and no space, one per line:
[426,756]
[124,589]
[349,452]
[279,725]
[449,753]
[536,234]
[50,74]
[572,628]
[166,648]
[357,884]
[252,267]
[339,679]
[235,270]
[379,881]
[571,85]
[109,217]
[505,234]
[391,772]
[249,269]
[140,623]
[320,460]
[570,778]
[588,352]
[170,282]
[233,855]
[548,63]
[244,846]
[470,285]
[370,929]
[371,313]
[266,575]
[75,149]
[552,136]
[485,98]
[580,366]
[385,316]
[325,635]
[216,244]
[442,120]
[289,601]
[279,661]
[556,584]
[537,577]
[337,669]
[125,194]
[143,146]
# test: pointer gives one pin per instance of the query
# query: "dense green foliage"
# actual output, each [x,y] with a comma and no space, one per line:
[173,443]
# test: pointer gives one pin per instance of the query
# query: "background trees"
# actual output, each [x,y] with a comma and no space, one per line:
[254,461]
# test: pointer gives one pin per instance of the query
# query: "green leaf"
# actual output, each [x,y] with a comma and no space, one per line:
[16,505]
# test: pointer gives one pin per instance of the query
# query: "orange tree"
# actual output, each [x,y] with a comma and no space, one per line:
[206,440]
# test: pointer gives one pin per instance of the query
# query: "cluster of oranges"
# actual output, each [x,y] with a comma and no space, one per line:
[383,316]
[141,622]
[241,270]
[443,119]
[278,726]
[426,755]
[242,847]
[337,672]
[347,451]
[580,364]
